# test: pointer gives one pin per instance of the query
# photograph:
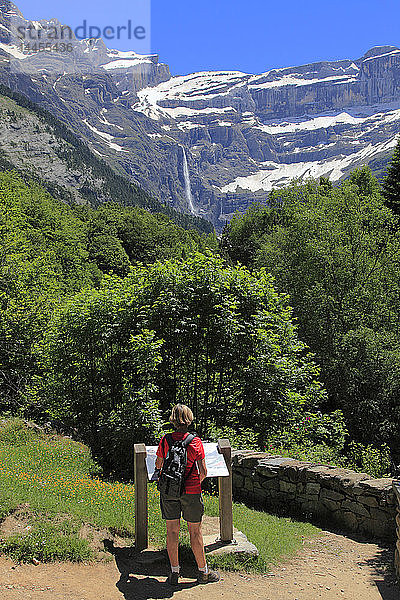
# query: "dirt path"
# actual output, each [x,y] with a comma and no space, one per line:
[328,567]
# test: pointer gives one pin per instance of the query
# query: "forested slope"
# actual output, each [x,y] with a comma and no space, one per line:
[40,147]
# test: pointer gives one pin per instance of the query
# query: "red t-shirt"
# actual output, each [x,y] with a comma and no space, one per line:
[195,451]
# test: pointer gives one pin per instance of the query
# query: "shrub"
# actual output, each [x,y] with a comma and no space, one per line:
[371,460]
[217,338]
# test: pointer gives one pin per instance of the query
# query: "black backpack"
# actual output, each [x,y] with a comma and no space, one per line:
[172,476]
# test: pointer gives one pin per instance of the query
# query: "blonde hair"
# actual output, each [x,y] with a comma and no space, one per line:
[181,416]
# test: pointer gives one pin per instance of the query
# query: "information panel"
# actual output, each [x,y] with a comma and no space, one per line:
[215,462]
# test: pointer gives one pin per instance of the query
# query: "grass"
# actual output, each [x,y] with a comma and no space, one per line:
[48,542]
[54,476]
[275,537]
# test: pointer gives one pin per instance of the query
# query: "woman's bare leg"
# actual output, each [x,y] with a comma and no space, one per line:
[172,541]
[197,544]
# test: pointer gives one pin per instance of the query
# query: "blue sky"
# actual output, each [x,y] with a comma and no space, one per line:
[250,36]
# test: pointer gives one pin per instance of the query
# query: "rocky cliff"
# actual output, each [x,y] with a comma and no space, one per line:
[212,142]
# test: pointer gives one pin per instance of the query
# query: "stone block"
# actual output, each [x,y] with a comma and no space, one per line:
[356,508]
[237,480]
[309,506]
[357,490]
[286,486]
[285,497]
[241,548]
[397,562]
[352,479]
[248,472]
[391,499]
[318,472]
[381,515]
[252,459]
[300,487]
[377,486]
[368,500]
[267,471]
[312,488]
[293,471]
[239,457]
[331,495]
[304,465]
[258,495]
[331,505]
[378,529]
[270,484]
[396,489]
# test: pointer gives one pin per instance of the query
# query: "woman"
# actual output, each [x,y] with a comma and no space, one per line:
[190,503]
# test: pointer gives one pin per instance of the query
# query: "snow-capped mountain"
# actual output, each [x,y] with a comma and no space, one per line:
[319,119]
[24,49]
[211,142]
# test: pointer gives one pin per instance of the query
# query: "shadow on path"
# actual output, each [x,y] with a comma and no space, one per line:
[152,564]
[148,587]
[381,566]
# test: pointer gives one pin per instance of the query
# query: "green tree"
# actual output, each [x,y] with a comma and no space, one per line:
[217,338]
[336,251]
[50,250]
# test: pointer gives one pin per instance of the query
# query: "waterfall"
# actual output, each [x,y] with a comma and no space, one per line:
[188,190]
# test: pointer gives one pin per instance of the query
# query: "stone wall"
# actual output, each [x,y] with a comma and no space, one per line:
[352,502]
[396,489]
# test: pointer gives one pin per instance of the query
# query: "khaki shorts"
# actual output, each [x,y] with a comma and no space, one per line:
[191,507]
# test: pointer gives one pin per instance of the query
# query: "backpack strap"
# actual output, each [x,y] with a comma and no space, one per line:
[186,444]
[169,440]
[188,439]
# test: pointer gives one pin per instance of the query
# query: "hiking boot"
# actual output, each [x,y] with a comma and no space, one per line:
[210,577]
[173,578]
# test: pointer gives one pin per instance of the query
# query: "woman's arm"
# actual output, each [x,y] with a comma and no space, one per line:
[201,465]
[159,462]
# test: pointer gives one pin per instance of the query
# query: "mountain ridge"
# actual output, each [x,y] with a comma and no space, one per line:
[211,142]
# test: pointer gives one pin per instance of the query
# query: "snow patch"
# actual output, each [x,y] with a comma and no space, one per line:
[280,174]
[320,122]
[106,136]
[126,63]
[103,120]
[189,125]
[301,81]
[129,54]
[13,50]
[188,88]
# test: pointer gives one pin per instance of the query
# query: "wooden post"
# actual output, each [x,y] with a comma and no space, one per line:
[225,494]
[141,507]
[396,490]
